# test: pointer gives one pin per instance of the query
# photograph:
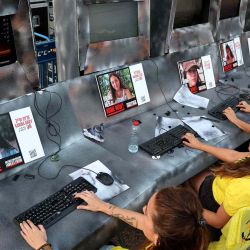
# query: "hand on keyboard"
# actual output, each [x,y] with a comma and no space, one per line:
[230,114]
[93,202]
[244,106]
[191,141]
[35,236]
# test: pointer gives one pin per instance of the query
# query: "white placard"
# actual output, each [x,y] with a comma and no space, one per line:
[208,71]
[238,51]
[27,135]
[140,85]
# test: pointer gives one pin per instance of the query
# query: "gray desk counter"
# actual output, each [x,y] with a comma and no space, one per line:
[80,228]
[183,163]
[86,230]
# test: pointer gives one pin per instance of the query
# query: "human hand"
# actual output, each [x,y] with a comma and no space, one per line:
[230,114]
[93,202]
[191,141]
[244,106]
[33,235]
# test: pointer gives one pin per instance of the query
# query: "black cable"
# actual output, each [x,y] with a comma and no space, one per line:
[53,128]
[61,168]
[167,102]
[226,87]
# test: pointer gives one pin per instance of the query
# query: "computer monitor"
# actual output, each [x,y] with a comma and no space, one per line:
[197,74]
[117,91]
[10,154]
[229,9]
[191,12]
[112,21]
[231,54]
[122,89]
[7,43]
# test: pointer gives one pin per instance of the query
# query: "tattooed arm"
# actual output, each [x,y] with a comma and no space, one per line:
[134,219]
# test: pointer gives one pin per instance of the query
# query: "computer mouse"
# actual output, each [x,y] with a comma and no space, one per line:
[105,178]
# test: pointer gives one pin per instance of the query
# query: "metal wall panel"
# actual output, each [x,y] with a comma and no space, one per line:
[21,77]
[8,7]
[160,26]
[102,55]
[247,18]
[66,39]
[192,36]
[231,27]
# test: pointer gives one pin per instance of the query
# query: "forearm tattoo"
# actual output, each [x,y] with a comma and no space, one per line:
[132,221]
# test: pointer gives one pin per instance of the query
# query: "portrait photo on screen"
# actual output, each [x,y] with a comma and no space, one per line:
[228,56]
[192,74]
[117,91]
[231,54]
[10,154]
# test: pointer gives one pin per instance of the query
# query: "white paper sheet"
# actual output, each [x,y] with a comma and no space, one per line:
[103,192]
[185,97]
[205,128]
[164,124]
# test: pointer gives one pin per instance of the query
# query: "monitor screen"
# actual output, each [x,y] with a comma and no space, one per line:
[123,89]
[7,44]
[117,91]
[231,54]
[197,74]
[10,155]
[191,12]
[229,8]
[112,21]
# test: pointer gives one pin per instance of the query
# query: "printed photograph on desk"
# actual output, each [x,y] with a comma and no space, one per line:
[122,89]
[10,155]
[231,54]
[197,74]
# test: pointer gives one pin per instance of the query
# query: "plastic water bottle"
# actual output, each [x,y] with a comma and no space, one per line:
[133,144]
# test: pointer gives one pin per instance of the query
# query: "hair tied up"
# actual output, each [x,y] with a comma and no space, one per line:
[202,222]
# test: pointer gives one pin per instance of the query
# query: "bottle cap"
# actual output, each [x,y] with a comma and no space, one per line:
[136,123]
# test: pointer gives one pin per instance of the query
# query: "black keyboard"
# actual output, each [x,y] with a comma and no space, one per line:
[166,141]
[218,109]
[57,205]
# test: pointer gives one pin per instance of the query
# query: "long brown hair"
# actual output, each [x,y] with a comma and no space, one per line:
[177,220]
[111,87]
[235,169]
